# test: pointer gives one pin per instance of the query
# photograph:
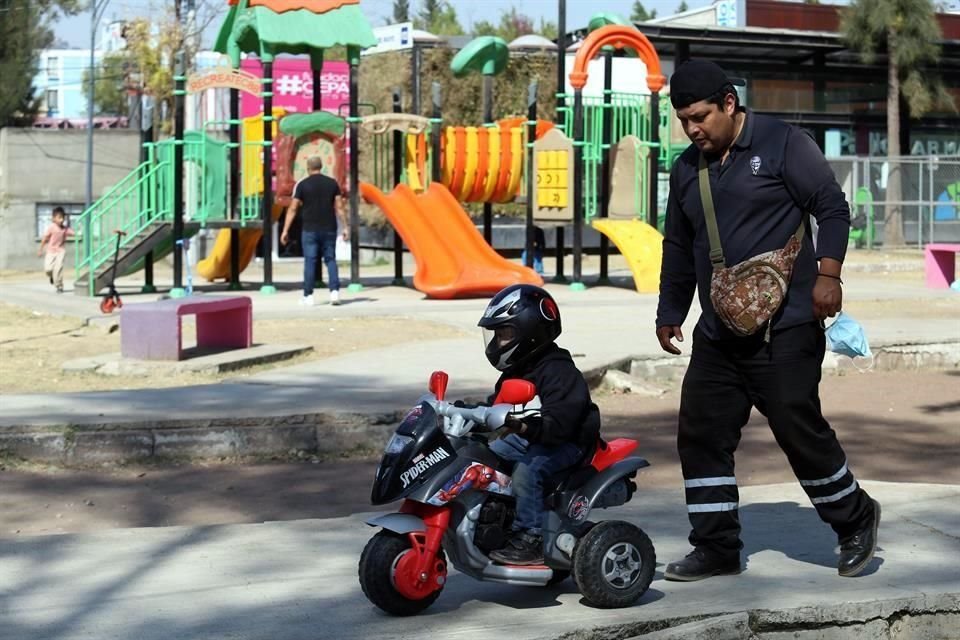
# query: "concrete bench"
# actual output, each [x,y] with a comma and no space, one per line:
[154,330]
[940,264]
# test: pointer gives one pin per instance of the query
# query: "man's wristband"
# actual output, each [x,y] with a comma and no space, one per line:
[827,275]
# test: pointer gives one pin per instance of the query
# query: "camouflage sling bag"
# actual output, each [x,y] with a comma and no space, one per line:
[746,295]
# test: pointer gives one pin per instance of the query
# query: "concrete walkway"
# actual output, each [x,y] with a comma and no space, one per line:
[298,580]
[603,326]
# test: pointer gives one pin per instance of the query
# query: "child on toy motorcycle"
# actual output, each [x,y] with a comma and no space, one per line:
[556,429]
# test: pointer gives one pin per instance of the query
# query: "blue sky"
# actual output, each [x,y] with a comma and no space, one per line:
[76,30]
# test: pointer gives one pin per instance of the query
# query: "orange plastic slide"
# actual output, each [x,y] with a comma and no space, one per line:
[453,259]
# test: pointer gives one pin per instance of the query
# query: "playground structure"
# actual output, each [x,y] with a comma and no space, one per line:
[606,176]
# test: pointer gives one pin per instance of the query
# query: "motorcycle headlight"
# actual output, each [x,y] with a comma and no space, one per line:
[397,443]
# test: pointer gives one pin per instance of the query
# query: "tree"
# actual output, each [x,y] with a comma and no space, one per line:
[640,13]
[909,33]
[24,32]
[401,10]
[512,25]
[439,18]
[682,7]
[111,83]
[549,29]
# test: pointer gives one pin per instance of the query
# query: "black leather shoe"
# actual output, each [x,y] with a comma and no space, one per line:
[699,565]
[522,549]
[857,551]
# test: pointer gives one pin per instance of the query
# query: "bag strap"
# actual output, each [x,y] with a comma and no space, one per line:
[710,215]
[713,233]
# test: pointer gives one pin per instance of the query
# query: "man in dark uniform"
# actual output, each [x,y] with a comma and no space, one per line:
[319,197]
[766,177]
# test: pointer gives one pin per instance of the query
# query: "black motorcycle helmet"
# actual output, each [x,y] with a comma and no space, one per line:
[519,322]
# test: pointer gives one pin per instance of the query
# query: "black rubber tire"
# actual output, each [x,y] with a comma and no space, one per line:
[594,564]
[376,575]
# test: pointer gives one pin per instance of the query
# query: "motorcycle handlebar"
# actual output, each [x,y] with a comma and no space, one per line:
[492,417]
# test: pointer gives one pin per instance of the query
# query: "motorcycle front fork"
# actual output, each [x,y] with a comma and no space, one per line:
[420,573]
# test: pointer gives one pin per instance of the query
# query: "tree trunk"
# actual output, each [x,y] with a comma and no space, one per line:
[893,219]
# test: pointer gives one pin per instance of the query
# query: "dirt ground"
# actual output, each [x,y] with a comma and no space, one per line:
[34,346]
[895,426]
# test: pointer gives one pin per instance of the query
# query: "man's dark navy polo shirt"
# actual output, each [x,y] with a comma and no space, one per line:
[774,173]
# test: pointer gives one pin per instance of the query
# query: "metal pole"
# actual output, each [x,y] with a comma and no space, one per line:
[559,278]
[179,94]
[487,120]
[605,141]
[353,54]
[267,206]
[561,54]
[88,200]
[146,136]
[317,102]
[531,137]
[577,283]
[415,76]
[654,183]
[234,189]
[397,175]
[435,130]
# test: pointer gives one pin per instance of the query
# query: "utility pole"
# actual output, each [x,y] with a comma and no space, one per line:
[97,7]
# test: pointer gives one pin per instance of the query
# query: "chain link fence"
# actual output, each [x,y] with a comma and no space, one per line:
[930,197]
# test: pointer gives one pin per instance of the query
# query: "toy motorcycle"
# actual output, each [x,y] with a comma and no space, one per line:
[458,503]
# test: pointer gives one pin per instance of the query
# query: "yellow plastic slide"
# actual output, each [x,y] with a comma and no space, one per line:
[217,264]
[641,245]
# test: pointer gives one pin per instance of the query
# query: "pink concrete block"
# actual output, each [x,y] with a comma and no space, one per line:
[153,330]
[940,264]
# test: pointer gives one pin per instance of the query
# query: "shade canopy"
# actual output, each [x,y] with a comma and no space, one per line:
[267,28]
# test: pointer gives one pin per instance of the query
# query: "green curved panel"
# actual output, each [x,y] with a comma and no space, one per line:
[300,124]
[487,55]
[211,156]
[604,18]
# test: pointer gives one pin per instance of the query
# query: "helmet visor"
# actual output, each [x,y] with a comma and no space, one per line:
[498,337]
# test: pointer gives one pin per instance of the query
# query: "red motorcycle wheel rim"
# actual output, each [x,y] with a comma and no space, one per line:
[408,583]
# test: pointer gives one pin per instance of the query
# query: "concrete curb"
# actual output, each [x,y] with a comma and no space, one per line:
[324,434]
[924,617]
[336,433]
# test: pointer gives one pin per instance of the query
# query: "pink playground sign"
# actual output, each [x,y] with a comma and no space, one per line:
[293,86]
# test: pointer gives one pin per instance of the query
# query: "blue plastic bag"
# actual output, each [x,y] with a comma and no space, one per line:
[846,337]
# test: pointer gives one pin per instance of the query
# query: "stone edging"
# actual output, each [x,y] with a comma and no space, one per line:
[924,617]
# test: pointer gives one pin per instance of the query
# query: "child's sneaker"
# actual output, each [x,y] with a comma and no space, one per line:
[335,298]
[306,301]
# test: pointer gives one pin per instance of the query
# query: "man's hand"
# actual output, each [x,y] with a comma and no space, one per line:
[665,335]
[284,237]
[345,234]
[827,297]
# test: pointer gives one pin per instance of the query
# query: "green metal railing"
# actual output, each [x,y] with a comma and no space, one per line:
[133,204]
[145,197]
[629,116]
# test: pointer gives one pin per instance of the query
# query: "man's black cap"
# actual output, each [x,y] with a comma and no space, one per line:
[696,80]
